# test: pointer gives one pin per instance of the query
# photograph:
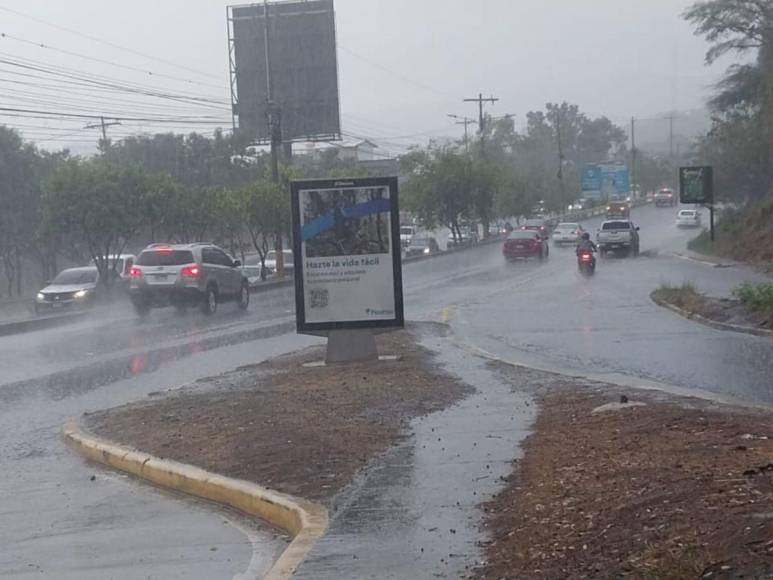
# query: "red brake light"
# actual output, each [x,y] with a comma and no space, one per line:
[586,257]
[542,227]
[191,272]
[135,272]
[523,227]
[165,250]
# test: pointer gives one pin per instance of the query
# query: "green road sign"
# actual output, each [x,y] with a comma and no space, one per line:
[696,185]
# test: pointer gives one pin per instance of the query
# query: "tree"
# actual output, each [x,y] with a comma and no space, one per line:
[266,211]
[97,204]
[19,199]
[740,144]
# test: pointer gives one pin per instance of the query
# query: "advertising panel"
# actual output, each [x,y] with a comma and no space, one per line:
[346,241]
[696,185]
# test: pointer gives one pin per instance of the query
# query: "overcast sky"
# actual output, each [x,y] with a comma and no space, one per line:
[403,64]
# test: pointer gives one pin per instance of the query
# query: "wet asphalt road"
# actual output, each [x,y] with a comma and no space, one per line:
[58,523]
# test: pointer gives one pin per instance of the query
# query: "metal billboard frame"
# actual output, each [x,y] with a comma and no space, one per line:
[273,108]
[324,328]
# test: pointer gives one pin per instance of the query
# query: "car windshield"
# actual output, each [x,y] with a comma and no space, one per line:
[617,225]
[73,277]
[687,213]
[286,254]
[406,230]
[567,226]
[165,257]
[534,223]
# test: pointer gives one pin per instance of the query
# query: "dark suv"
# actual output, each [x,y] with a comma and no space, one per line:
[183,275]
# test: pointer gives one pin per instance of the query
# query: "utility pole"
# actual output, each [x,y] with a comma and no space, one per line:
[560,155]
[464,121]
[274,118]
[481,120]
[103,126]
[671,118]
[633,154]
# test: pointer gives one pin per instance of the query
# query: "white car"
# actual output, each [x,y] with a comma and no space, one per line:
[567,233]
[270,263]
[407,233]
[688,218]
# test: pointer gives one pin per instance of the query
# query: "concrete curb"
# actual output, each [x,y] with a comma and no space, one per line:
[708,322]
[306,521]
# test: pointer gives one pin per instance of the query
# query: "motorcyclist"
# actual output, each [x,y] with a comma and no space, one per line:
[586,244]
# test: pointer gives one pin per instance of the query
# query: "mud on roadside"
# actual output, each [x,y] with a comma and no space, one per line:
[677,488]
[301,430]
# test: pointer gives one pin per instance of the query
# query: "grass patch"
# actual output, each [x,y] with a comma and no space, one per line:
[755,296]
[684,296]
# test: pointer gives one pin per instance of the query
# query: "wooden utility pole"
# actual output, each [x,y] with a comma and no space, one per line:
[480,99]
[633,155]
[464,121]
[671,118]
[103,126]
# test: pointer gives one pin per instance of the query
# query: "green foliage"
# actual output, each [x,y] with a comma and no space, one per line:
[96,204]
[755,296]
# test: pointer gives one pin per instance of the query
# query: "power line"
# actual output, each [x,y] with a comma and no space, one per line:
[106,42]
[111,63]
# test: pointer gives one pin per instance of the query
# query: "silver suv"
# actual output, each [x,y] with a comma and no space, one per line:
[183,275]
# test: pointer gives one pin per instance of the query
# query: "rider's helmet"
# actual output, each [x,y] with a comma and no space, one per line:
[585,236]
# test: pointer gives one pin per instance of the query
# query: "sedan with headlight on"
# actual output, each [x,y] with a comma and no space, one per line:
[72,288]
[422,247]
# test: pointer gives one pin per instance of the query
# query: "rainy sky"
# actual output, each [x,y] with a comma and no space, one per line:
[405,64]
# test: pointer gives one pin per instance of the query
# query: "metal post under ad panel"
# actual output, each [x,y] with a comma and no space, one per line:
[348,273]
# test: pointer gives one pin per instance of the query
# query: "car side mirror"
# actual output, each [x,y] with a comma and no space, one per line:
[237,263]
[637,228]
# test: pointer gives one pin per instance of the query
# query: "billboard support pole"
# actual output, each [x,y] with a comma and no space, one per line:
[350,345]
[711,221]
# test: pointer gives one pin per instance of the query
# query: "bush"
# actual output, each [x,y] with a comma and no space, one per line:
[684,296]
[755,296]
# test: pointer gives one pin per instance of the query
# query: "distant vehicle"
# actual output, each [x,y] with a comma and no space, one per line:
[270,263]
[618,235]
[525,244]
[183,275]
[618,209]
[406,235]
[72,288]
[466,236]
[688,218]
[422,247]
[121,264]
[252,273]
[540,225]
[586,262]
[665,197]
[567,233]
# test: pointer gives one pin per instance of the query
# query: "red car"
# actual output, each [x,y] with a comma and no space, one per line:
[525,244]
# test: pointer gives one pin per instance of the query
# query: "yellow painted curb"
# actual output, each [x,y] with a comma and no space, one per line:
[305,520]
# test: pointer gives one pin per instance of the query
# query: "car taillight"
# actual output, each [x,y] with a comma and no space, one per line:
[585,257]
[190,272]
[523,227]
[135,272]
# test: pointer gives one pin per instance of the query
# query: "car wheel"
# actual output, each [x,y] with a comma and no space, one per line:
[209,306]
[244,296]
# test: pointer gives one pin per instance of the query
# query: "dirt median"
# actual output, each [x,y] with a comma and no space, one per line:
[297,429]
[670,490]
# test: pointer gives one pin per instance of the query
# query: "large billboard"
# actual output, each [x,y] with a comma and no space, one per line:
[284,53]
[606,178]
[346,243]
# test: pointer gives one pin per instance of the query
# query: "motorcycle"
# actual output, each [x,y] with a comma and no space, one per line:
[586,262]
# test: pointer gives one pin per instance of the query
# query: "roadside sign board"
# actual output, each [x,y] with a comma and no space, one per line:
[696,185]
[346,245]
[591,178]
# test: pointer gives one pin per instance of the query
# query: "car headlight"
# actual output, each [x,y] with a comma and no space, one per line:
[41,296]
[81,293]
[426,250]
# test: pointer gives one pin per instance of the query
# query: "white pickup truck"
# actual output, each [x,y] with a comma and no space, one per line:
[618,235]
